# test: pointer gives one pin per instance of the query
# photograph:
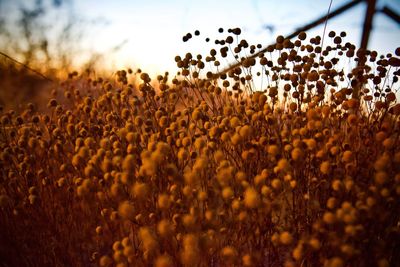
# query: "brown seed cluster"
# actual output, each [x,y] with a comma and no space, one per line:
[205,170]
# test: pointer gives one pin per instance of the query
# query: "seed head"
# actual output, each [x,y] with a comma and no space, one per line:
[164,228]
[140,190]
[163,261]
[164,202]
[149,242]
[126,210]
[286,238]
[105,261]
[325,167]
[251,198]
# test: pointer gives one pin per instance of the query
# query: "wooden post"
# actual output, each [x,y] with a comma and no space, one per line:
[368,20]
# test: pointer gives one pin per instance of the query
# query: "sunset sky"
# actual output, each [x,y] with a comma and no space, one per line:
[152,30]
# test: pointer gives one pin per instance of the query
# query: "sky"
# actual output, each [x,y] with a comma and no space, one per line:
[152,30]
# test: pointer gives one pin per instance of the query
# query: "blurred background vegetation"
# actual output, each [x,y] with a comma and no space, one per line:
[40,42]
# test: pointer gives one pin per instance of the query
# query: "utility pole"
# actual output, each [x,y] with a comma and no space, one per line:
[368,19]
[367,26]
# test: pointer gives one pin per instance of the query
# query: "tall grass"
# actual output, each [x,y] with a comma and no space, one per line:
[204,169]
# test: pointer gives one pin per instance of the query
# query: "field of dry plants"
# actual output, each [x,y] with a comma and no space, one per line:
[203,169]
